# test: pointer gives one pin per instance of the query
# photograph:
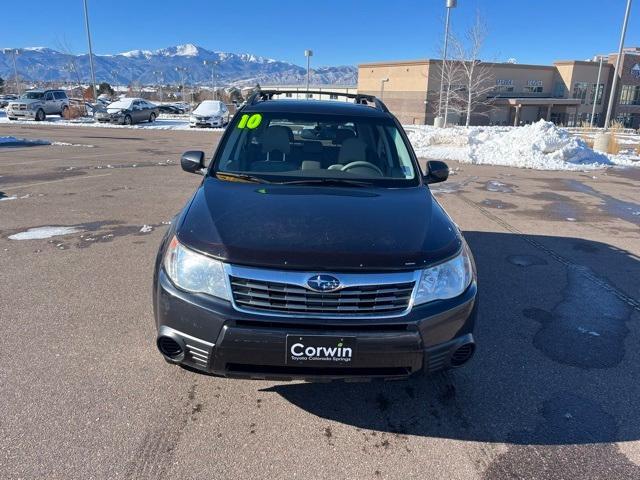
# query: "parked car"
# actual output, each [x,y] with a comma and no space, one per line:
[4,99]
[210,113]
[37,104]
[170,109]
[128,111]
[300,258]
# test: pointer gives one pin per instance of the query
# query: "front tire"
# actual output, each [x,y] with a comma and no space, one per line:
[127,120]
[40,115]
[65,113]
[152,118]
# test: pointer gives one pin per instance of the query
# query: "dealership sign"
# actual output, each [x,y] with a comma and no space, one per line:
[534,83]
[504,82]
[635,70]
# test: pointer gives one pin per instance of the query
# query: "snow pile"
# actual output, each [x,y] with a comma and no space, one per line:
[43,232]
[541,146]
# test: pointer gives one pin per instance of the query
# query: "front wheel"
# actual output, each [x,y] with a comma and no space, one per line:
[127,120]
[152,118]
[65,112]
[40,115]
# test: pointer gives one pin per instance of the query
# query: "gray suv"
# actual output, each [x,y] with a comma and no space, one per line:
[37,104]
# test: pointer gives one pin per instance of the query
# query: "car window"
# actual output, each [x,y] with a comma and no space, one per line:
[316,146]
[48,96]
[59,95]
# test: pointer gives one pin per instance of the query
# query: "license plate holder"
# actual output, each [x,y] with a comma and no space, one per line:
[320,350]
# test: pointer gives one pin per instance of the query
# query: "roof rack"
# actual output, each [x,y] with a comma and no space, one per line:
[360,98]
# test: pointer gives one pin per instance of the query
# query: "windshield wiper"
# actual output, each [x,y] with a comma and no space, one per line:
[327,181]
[240,176]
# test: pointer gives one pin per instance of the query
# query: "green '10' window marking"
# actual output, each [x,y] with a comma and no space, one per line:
[250,121]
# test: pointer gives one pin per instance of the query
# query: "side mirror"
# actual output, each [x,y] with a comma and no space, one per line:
[192,161]
[437,171]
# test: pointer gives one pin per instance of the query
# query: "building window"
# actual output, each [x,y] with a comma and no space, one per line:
[627,119]
[592,93]
[503,88]
[532,89]
[580,91]
[288,94]
[333,96]
[630,95]
[558,90]
[309,95]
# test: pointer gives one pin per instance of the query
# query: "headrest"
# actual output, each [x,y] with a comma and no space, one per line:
[352,150]
[342,134]
[278,138]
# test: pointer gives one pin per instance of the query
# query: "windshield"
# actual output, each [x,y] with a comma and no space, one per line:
[208,107]
[287,147]
[120,105]
[32,95]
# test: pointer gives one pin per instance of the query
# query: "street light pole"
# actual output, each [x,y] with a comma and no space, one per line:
[93,73]
[15,71]
[595,94]
[617,73]
[158,73]
[382,82]
[449,5]
[213,64]
[181,70]
[308,54]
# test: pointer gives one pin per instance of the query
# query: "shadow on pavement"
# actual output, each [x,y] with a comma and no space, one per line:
[552,366]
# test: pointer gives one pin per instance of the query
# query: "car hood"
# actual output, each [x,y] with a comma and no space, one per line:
[26,101]
[318,228]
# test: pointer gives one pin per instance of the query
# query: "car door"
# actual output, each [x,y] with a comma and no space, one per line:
[136,111]
[49,103]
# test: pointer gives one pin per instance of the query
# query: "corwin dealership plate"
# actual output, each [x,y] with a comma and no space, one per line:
[320,350]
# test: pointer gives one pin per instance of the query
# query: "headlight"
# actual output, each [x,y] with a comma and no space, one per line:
[447,280]
[194,272]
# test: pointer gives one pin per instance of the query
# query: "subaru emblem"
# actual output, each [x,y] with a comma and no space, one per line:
[323,283]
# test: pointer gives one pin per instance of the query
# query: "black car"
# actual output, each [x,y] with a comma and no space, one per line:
[313,248]
[170,109]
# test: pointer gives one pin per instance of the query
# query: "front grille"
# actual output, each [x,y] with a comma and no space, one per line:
[276,297]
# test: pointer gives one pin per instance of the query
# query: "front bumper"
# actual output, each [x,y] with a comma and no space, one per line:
[109,119]
[206,123]
[216,338]
[21,113]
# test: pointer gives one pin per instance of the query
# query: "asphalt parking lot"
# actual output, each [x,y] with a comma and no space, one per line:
[551,394]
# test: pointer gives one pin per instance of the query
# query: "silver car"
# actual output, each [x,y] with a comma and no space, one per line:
[37,104]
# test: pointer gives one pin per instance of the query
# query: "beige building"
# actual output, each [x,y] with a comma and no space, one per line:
[516,94]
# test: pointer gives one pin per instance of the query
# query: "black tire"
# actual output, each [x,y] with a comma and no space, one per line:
[64,113]
[152,117]
[12,118]
[40,115]
[127,120]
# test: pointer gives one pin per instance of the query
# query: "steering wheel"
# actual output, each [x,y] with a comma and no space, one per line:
[362,164]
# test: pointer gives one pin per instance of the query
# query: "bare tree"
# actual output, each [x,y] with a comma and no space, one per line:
[477,77]
[450,73]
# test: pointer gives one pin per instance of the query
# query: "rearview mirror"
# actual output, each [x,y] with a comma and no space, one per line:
[192,161]
[437,171]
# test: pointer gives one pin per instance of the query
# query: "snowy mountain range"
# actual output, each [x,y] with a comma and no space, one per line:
[152,67]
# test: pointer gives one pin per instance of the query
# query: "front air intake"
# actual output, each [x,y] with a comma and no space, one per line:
[170,348]
[462,354]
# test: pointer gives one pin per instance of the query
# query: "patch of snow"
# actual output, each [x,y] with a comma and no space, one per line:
[541,146]
[43,232]
[146,229]
[65,144]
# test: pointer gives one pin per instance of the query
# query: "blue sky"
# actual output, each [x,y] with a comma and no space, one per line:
[339,32]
